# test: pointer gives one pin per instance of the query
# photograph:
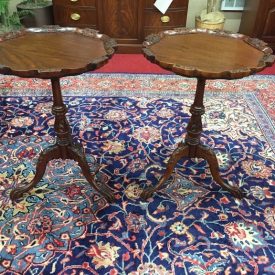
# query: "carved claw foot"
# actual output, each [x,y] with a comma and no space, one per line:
[76,153]
[181,151]
[147,193]
[46,155]
[19,191]
[208,154]
[235,191]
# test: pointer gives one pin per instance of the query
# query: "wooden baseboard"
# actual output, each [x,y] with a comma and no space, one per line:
[129,48]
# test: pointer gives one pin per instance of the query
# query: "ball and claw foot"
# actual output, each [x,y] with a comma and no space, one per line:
[76,152]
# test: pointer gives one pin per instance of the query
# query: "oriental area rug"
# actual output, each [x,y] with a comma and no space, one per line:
[130,124]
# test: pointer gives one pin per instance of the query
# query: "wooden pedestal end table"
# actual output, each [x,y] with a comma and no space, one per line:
[52,53]
[204,54]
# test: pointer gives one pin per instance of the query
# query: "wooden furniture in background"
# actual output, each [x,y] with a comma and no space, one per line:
[65,52]
[258,20]
[127,21]
[204,54]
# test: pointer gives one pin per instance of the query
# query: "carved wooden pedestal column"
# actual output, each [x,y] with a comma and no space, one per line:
[193,148]
[64,148]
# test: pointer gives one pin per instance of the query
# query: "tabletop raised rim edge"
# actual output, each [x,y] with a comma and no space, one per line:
[267,60]
[110,46]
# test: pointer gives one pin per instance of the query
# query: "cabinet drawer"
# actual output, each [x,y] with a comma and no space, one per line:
[174,4]
[88,3]
[153,19]
[63,16]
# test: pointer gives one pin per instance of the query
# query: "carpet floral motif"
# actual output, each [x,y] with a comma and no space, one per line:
[130,124]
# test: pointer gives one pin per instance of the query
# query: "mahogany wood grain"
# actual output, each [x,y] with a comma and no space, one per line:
[207,54]
[122,16]
[121,19]
[53,52]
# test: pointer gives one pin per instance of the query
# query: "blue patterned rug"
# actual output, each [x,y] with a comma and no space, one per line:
[131,124]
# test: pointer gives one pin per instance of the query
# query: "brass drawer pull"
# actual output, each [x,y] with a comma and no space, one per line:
[75,16]
[165,19]
[73,0]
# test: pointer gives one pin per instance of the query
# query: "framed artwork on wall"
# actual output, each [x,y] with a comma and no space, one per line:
[232,5]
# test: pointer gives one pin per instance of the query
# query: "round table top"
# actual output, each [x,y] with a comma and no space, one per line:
[50,52]
[207,54]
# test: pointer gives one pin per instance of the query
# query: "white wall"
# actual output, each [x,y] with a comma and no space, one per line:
[232,22]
